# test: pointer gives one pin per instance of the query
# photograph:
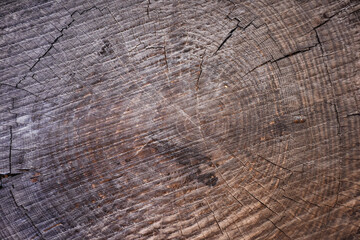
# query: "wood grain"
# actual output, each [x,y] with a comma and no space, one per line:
[179,119]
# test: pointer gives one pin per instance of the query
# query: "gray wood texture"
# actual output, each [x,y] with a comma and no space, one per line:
[179,119]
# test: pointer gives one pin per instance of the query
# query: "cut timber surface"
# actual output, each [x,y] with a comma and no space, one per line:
[172,119]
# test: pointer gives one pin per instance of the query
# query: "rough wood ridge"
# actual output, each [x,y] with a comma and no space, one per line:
[216,119]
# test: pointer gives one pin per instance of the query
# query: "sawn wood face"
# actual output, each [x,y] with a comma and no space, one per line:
[179,119]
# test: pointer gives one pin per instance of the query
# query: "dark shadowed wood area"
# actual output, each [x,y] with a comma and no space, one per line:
[217,119]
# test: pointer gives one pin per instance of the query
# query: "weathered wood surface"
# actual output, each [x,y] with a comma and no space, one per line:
[179,119]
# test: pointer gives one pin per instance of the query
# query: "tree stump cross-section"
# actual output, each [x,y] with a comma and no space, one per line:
[217,119]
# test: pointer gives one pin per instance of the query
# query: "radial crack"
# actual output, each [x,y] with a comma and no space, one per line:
[283,57]
[31,93]
[21,207]
[337,118]
[147,8]
[260,201]
[273,163]
[165,57]
[227,38]
[10,150]
[295,53]
[253,69]
[327,20]
[320,43]
[55,40]
[198,79]
[217,222]
[337,194]
[232,31]
[278,228]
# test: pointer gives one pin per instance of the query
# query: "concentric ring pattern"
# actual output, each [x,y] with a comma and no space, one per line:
[179,119]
